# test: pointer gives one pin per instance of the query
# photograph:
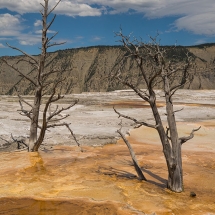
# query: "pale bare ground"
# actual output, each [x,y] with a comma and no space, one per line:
[95,123]
[102,180]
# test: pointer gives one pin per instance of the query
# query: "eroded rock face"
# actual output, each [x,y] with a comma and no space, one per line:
[92,65]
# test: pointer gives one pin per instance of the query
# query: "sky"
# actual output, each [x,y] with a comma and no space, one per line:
[83,23]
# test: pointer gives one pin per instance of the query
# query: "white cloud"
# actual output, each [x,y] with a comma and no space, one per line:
[21,6]
[10,25]
[26,43]
[2,46]
[200,41]
[79,37]
[66,7]
[5,38]
[96,38]
[199,24]
[196,16]
[38,23]
[69,8]
[28,39]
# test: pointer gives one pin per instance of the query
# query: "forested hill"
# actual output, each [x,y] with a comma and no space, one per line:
[88,68]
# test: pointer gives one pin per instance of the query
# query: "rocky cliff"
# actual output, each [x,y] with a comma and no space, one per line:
[88,68]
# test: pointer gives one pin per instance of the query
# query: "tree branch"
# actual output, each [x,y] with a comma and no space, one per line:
[136,165]
[25,112]
[62,109]
[23,100]
[134,120]
[178,110]
[67,125]
[53,7]
[31,57]
[55,44]
[17,70]
[19,142]
[52,37]
[49,25]
[4,140]
[28,61]
[137,91]
[185,139]
[58,119]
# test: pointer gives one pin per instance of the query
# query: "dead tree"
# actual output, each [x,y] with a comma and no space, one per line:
[153,69]
[135,162]
[45,79]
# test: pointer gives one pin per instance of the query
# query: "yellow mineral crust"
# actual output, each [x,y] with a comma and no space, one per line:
[102,180]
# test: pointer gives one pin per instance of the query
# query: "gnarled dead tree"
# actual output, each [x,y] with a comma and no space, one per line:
[135,162]
[154,70]
[45,79]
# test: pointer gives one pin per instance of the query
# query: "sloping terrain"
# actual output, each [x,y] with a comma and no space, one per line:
[88,69]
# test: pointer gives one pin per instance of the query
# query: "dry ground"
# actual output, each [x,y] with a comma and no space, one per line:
[101,180]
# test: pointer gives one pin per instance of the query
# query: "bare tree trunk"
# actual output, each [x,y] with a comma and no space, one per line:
[34,119]
[42,81]
[156,69]
[38,94]
[172,152]
[136,165]
[175,178]
[41,137]
[171,145]
[44,126]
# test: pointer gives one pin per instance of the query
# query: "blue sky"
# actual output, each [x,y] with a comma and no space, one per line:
[84,23]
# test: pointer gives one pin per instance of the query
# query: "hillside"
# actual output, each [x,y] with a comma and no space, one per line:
[88,68]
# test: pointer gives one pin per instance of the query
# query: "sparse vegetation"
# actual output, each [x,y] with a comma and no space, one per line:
[155,70]
[45,77]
